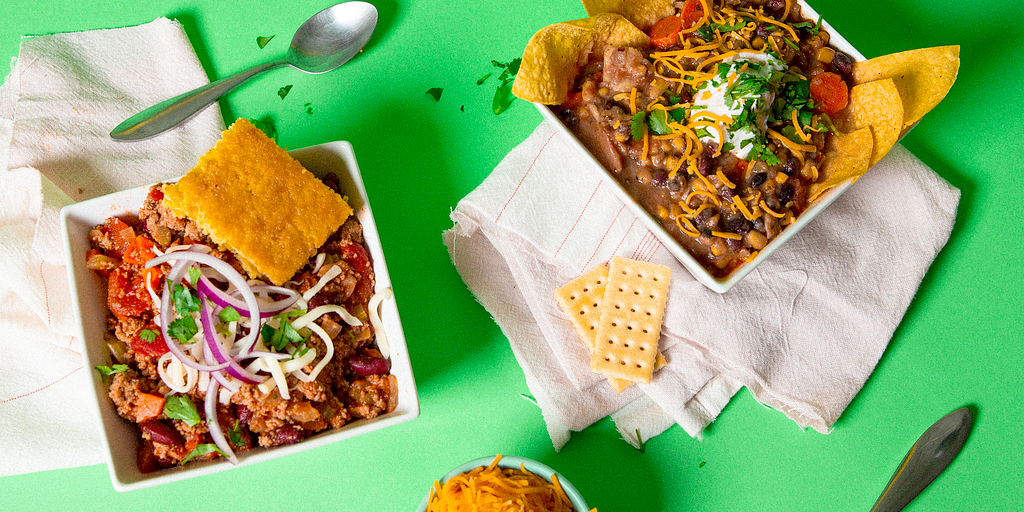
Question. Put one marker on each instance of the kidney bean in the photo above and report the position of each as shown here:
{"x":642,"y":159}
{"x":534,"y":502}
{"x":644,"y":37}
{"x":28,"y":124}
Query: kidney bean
{"x":287,"y":434}
{"x":738,"y":225}
{"x":659,"y":178}
{"x":162,"y":433}
{"x":365,"y":366}
{"x":704,"y":164}
{"x":775,"y":5}
{"x":243,"y":413}
{"x":758,"y":179}
{"x":842,"y":63}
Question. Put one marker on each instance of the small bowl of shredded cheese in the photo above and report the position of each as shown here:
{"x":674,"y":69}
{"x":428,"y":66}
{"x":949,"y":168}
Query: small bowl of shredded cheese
{"x":501,"y":484}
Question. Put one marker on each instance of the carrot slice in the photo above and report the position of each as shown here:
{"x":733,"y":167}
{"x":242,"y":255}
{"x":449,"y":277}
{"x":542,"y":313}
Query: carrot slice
{"x":148,"y":406}
{"x":665,"y":33}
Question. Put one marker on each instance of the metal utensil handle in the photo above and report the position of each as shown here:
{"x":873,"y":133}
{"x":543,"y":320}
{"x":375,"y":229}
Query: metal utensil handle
{"x":168,"y":114}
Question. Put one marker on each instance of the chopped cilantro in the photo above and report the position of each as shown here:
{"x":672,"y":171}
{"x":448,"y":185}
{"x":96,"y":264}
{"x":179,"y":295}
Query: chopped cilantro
{"x":790,"y":43}
{"x":701,"y":132}
{"x":282,"y":92}
{"x":193,"y":275}
{"x":180,"y":407}
{"x":280,"y":338}
{"x":235,"y":434}
{"x":707,"y":32}
{"x":658,"y":120}
{"x":702,"y":463}
{"x":435,"y":92}
{"x":147,"y":335}
{"x":184,"y":300}
{"x":201,"y":450}
{"x":106,"y":371}
{"x":503,"y":97}
{"x":229,"y":314}
{"x":262,"y":41}
{"x":183,"y":329}
{"x":308,"y":107}
{"x":813,"y":28}
{"x":266,"y":125}
{"x":639,"y":126}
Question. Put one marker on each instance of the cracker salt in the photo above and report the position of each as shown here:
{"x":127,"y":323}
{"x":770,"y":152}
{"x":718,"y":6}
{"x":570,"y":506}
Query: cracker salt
{"x":627,"y":334}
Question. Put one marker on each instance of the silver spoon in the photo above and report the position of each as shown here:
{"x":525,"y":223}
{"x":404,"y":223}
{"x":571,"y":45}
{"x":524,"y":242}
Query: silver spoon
{"x":327,"y":40}
{"x":929,"y":456}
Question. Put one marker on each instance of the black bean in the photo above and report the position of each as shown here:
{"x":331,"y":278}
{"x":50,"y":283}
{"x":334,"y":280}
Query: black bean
{"x":738,"y":225}
{"x":842,"y":63}
{"x":727,"y":194}
{"x":659,"y":178}
{"x":790,"y":167}
{"x":758,"y":179}
{"x":785,"y":193}
{"x":775,"y":5}
{"x":568,"y":117}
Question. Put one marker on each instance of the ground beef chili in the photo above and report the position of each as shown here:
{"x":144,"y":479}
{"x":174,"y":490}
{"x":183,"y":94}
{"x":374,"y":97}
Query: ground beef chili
{"x":355,"y":384}
{"x":718,"y":127}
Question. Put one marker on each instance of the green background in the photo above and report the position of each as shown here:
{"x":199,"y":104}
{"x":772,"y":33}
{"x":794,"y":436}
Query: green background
{"x":959,"y":343}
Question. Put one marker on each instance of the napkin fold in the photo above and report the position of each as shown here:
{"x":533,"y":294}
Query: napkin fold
{"x":57,"y":106}
{"x":802,"y":332}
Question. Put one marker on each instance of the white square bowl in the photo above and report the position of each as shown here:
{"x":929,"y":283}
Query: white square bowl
{"x":718,"y":284}
{"x":88,"y":297}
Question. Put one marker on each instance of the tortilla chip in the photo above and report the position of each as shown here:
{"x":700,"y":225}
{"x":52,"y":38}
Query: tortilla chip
{"x":876,"y":105}
{"x":922,"y":77}
{"x":554,"y":55}
{"x":642,"y":13}
{"x":848,"y":156}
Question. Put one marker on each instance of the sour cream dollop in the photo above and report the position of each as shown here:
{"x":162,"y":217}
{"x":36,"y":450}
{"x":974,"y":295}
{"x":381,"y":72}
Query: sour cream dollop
{"x":737,"y":92}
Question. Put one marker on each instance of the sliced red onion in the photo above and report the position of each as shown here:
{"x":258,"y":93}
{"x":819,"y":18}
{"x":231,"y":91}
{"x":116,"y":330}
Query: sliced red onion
{"x":231,"y":275}
{"x":224,"y":299}
{"x":166,"y":315}
{"x":215,"y":346}
{"x":214,"y":422}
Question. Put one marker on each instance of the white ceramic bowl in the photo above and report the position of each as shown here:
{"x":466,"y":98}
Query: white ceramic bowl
{"x":88,"y":296}
{"x":513,"y":462}
{"x":718,"y":284}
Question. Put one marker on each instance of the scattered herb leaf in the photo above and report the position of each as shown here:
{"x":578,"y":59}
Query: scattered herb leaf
{"x":106,"y":371}
{"x":193,"y":275}
{"x":229,"y":314}
{"x":201,"y":450}
{"x":658,"y":121}
{"x":503,"y":98}
{"x":309,"y":108}
{"x":282,"y":92}
{"x":641,"y":442}
{"x":435,"y":92}
{"x":147,"y":335}
{"x":639,"y":126}
{"x":183,"y":329}
{"x":180,"y":407}
{"x":262,"y":41}
{"x":702,"y":463}
{"x":483,"y":79}
{"x":266,"y":125}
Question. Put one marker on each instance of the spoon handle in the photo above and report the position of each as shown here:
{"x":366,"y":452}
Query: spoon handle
{"x":168,"y":114}
{"x":929,"y":456}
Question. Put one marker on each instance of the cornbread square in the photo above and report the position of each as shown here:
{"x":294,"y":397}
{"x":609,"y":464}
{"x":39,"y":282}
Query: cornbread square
{"x":252,"y":198}
{"x":581,"y":300}
{"x":626,"y":341}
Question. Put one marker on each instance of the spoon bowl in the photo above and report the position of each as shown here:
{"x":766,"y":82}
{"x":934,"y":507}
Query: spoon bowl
{"x":323,"y":43}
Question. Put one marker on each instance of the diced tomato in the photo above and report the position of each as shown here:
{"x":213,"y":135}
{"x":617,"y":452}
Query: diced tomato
{"x":691,"y":13}
{"x":140,"y":251}
{"x":156,"y":194}
{"x":356,"y":256}
{"x":830,"y":93}
{"x":120,"y":233}
{"x":126,"y":291}
{"x":665,"y":32}
{"x":572,"y":100}
{"x":155,"y":348}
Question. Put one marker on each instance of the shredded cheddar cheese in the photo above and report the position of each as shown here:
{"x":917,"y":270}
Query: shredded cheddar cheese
{"x":497,"y":489}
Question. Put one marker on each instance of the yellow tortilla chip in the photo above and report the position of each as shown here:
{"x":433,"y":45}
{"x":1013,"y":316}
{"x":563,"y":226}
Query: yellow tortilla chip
{"x":922,"y":77}
{"x":876,"y":105}
{"x":848,"y":156}
{"x":642,"y":13}
{"x":554,"y":55}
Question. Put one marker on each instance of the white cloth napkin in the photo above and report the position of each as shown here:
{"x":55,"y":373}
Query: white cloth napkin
{"x":802,"y":332}
{"x":63,"y":96}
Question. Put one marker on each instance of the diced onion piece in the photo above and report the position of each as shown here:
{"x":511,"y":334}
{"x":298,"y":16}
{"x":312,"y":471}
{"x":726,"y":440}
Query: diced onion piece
{"x":378,"y":326}
{"x":331,"y":273}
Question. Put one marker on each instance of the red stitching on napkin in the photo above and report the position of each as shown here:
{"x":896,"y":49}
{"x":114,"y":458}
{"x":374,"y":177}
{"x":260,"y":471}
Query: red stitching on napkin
{"x":649,"y":244}
{"x":586,"y":266}
{"x":574,"y":224}
{"x":623,"y":239}
{"x":42,"y":388}
{"x":524,"y":177}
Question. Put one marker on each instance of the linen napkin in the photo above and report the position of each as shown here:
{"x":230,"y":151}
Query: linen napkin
{"x":802,"y":332}
{"x":63,"y":96}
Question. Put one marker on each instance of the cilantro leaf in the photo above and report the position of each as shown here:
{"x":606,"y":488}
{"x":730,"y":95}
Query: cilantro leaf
{"x":193,"y":275}
{"x":503,"y":98}
{"x":435,"y":92}
{"x":235,"y":434}
{"x":183,"y":329}
{"x":639,"y":127}
{"x":106,"y":371}
{"x":184,"y":300}
{"x":201,"y":450}
{"x":282,"y":92}
{"x":147,"y":335}
{"x":658,"y":120}
{"x":266,"y":125}
{"x":262,"y":41}
{"x":229,"y":314}
{"x":180,"y":407}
